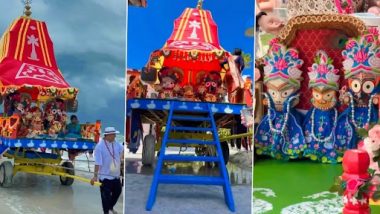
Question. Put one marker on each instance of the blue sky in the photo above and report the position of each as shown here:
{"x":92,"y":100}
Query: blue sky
{"x":89,"y":44}
{"x":148,"y":28}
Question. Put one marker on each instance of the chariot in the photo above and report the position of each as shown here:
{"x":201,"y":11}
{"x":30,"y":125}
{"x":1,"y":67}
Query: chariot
{"x":191,"y":92}
{"x":36,"y":99}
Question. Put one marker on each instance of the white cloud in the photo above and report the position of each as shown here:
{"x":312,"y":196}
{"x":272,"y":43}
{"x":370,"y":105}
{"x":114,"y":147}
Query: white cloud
{"x":79,"y":27}
{"x":113,"y":5}
{"x":117,"y":82}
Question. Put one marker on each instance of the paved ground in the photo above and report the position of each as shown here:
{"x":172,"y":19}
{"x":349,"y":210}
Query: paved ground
{"x":296,"y":187}
{"x":186,"y":199}
{"x":34,"y":194}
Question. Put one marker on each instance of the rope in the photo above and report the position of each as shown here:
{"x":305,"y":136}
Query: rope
{"x":78,"y":170}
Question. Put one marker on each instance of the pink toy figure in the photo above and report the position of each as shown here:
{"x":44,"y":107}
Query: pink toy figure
{"x":371,"y":145}
{"x":374,"y":7}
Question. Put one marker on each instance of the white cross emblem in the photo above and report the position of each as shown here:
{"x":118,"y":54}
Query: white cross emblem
{"x":33,"y":41}
{"x":195,"y":25}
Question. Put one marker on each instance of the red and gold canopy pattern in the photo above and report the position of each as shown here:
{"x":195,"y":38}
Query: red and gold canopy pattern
{"x":27,"y":62}
{"x":193,"y":46}
{"x":194,"y":30}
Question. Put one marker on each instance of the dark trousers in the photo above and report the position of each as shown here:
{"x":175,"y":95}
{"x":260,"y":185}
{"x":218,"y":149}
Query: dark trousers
{"x":110,"y":192}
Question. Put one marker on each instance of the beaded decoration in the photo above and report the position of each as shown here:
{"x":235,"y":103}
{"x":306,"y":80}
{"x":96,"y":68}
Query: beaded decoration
{"x":281,"y":130}
{"x":353,"y":121}
{"x":323,"y":74}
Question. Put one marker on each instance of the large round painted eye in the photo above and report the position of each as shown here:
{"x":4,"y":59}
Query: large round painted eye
{"x":355,"y":86}
{"x":317,"y":95}
{"x":208,"y":84}
{"x":273,"y":93}
{"x":368,"y":87}
{"x":329,"y":95}
{"x":286,"y":93}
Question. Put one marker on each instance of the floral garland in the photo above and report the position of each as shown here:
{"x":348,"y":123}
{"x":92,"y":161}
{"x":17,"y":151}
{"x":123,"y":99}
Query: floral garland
{"x":282,"y":129}
{"x":332,"y":131}
{"x":353,"y":111}
{"x":42,"y":91}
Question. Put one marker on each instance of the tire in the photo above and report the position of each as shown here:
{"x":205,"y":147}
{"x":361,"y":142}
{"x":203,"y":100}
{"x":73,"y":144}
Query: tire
{"x":6,"y":174}
{"x":211,"y":151}
{"x":65,"y":180}
{"x":226,"y":151}
{"x":148,"y":150}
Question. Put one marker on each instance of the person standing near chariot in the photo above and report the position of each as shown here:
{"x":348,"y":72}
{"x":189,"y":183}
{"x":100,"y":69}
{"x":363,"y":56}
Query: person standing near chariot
{"x":108,"y":155}
{"x":321,"y":120}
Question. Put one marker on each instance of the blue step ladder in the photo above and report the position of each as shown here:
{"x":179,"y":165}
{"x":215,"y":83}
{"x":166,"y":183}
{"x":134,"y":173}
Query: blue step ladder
{"x":222,"y":180}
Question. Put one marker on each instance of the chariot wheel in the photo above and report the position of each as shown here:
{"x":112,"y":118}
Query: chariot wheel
{"x":6,"y":174}
{"x":69,"y":169}
{"x":148,"y":150}
{"x":226,"y":151}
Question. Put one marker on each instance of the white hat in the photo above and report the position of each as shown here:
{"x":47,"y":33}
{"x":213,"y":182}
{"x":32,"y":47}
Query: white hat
{"x":110,"y":130}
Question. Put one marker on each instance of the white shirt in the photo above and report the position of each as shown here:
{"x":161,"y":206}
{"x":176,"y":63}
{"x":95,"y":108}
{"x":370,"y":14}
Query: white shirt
{"x":107,"y":157}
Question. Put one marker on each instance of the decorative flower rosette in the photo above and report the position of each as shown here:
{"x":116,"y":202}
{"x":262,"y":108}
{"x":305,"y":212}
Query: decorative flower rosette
{"x":376,"y":33}
{"x":362,"y":55}
{"x":283,"y":63}
{"x":323,"y":73}
{"x":345,"y":6}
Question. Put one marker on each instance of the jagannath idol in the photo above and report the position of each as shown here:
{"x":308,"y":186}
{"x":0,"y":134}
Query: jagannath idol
{"x":280,"y":134}
{"x":321,"y":120}
{"x":362,"y":70}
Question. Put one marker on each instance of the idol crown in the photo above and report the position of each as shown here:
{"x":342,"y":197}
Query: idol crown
{"x":283,"y":63}
{"x":362,"y":55}
{"x":323,"y":73}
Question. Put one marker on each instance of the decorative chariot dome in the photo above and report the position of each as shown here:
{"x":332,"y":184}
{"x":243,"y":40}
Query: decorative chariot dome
{"x":28,"y":63}
{"x":193,"y":47}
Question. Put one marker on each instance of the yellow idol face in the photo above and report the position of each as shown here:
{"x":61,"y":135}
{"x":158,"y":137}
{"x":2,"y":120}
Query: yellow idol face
{"x":323,"y":99}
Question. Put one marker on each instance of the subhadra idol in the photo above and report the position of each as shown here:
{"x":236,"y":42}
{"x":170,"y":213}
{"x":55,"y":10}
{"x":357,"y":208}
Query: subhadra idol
{"x":362,"y":69}
{"x":280,"y":134}
{"x":321,"y":120}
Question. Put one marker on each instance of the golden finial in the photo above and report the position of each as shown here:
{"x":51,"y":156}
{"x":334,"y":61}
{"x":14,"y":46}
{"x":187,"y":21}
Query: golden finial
{"x":199,"y":5}
{"x":27,"y":11}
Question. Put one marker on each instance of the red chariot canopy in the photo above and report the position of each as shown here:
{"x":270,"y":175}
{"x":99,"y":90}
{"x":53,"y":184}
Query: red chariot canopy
{"x":194,"y":30}
{"x":27,"y":62}
{"x":193,"y":46}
